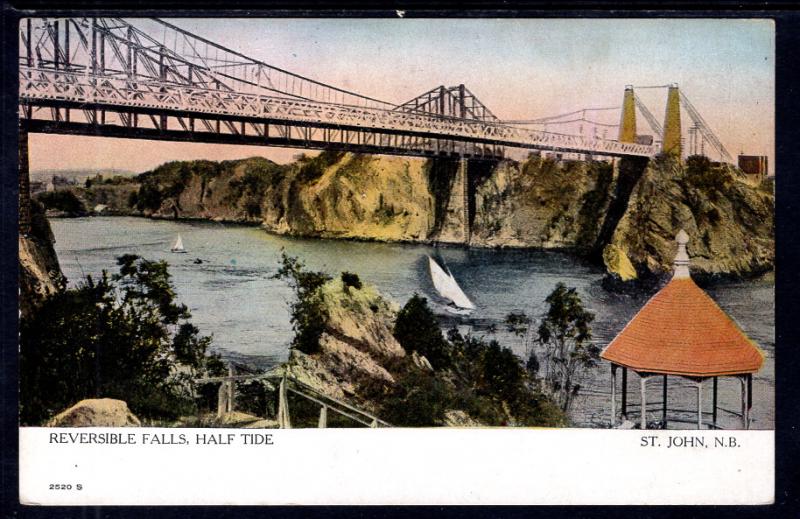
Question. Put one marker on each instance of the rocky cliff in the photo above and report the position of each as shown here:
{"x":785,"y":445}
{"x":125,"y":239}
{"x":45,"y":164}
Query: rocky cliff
{"x":359,"y":360}
{"x":356,"y":349}
{"x":542,"y":203}
{"x":39,"y":272}
{"x":623,"y":214}
{"x":730,"y":223}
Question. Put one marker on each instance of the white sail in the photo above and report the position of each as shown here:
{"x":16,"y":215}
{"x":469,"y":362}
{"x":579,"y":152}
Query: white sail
{"x":178,"y":247}
{"x":447,"y":287}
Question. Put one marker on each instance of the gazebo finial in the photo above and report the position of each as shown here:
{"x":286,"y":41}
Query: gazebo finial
{"x":681,"y":263}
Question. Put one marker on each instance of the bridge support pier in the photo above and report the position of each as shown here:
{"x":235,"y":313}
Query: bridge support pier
{"x":455,"y":180}
{"x":462,"y":180}
{"x":24,"y":185}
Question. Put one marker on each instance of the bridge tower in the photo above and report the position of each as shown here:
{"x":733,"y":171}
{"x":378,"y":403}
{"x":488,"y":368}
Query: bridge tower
{"x":672,"y":123}
{"x":627,"y":124}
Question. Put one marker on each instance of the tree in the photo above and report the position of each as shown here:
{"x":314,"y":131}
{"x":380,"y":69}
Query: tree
{"x":520,"y":325}
{"x":417,"y":329}
{"x":566,"y":336}
{"x":120,"y":337}
{"x":308,"y":314}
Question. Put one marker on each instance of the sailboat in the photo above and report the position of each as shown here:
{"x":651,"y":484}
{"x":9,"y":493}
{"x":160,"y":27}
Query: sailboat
{"x":178,"y":246}
{"x":446,"y":285}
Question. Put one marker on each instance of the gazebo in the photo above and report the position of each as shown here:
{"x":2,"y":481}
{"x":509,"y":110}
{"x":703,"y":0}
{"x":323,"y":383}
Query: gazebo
{"x":682,"y":332}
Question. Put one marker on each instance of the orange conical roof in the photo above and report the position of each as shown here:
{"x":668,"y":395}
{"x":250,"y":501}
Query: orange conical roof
{"x":682,"y":331}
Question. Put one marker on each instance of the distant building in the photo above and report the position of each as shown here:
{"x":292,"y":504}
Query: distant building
{"x":754,"y":166}
{"x":59,"y":182}
{"x":644,"y":139}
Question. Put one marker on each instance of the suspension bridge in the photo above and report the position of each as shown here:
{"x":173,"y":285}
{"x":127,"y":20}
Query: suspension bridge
{"x":146,"y":78}
{"x":149,"y":79}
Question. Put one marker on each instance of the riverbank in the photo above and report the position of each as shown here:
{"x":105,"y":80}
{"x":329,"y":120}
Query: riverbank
{"x":622,"y":216}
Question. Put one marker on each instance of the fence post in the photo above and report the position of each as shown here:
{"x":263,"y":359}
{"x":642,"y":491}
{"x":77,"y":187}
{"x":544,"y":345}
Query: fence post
{"x":231,"y":395}
{"x":284,"y":421}
{"x":222,"y":399}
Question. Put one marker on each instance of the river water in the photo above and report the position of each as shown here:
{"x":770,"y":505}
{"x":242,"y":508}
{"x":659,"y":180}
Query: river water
{"x":233,"y":297}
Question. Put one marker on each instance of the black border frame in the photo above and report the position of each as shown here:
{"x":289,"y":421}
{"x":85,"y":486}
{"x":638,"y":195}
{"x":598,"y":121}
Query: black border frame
{"x":787,"y":159}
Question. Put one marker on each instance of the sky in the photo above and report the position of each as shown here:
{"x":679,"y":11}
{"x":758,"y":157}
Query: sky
{"x":519,"y":68}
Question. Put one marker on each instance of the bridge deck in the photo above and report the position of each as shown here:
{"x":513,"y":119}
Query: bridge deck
{"x":52,"y":89}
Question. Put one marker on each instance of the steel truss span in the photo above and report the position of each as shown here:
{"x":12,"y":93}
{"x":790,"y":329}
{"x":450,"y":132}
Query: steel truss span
{"x":151,"y":80}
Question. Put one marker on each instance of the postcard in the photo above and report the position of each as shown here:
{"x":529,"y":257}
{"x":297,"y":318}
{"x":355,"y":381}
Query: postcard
{"x":396,"y":260}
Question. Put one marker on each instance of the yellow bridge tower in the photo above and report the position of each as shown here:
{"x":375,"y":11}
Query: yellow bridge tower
{"x":627,"y":124}
{"x":672,"y":123}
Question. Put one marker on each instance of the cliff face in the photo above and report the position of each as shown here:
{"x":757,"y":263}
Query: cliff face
{"x":730,"y":223}
{"x":39,"y":272}
{"x":353,"y":196}
{"x":624,"y":215}
{"x":542,"y":203}
{"x":357,"y":348}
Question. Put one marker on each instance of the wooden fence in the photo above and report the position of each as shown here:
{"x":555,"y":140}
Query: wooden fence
{"x":226,"y":397}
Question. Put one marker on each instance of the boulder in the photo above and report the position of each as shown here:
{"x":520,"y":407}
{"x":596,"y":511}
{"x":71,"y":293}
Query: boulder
{"x":617,"y":263}
{"x":96,"y":412}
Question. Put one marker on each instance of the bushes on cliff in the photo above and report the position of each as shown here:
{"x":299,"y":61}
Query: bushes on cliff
{"x":308,"y":314}
{"x":62,"y":200}
{"x":417,"y":329}
{"x":311,"y":168}
{"x":419,"y":399}
{"x":122,"y":337}
{"x":149,"y":197}
{"x":482,"y":378}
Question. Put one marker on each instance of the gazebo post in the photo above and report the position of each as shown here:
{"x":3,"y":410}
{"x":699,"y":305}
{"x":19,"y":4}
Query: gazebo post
{"x":749,"y":397}
{"x":700,"y":403}
{"x":664,"y":400}
{"x":624,"y":392}
{"x":642,"y":381}
{"x":613,"y":395}
{"x":744,"y":401}
{"x":714,"y":408}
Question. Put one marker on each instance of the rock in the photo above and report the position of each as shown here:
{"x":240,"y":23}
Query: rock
{"x":356,"y":347}
{"x":730,"y":223}
{"x":421,"y":361}
{"x":542,"y":203}
{"x":39,"y":272}
{"x":617,"y":263}
{"x":96,"y":412}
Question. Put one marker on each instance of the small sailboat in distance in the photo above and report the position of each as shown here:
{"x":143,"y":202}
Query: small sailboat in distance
{"x":178,"y":246}
{"x":447,"y":287}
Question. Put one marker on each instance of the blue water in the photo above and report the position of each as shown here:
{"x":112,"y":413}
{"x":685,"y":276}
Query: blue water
{"x":233,"y":297}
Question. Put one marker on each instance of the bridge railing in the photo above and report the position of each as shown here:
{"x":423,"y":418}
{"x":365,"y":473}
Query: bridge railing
{"x":46,"y":85}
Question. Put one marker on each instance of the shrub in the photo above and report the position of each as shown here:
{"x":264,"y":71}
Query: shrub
{"x":417,"y":329}
{"x":121,"y":337}
{"x":149,"y":197}
{"x":62,"y":200}
{"x":702,"y":174}
{"x":420,"y":399}
{"x":308,"y":314}
{"x":351,"y":280}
